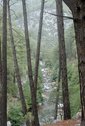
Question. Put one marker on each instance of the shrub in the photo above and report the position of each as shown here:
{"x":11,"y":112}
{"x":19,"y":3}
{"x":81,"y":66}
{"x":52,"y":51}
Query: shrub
{"x":15,"y":116}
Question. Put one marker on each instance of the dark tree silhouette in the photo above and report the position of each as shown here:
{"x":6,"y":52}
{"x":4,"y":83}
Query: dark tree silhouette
{"x":78,"y":10}
{"x":3,"y":121}
{"x":0,"y":84}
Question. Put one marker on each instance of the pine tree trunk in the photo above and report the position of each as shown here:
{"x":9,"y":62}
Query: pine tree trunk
{"x":57,"y":101}
{"x":65,"y":92}
{"x":4,"y":66}
{"x":0,"y":65}
{"x":16,"y":66}
{"x":58,"y":87}
{"x":78,"y":9}
{"x":29,"y":64}
{"x":0,"y":85}
{"x":79,"y":26}
{"x":38,"y":45}
{"x":14,"y":78}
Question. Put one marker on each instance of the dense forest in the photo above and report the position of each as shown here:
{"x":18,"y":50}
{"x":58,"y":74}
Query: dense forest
{"x":42,"y":63}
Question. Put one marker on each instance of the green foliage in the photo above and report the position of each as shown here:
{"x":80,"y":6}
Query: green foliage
{"x":55,"y":64}
{"x":15,"y":116}
{"x":11,"y":86}
{"x":70,"y":43}
{"x":40,"y":78}
{"x":74,"y":99}
{"x":73,"y":76}
{"x":39,"y":88}
{"x":26,"y":89}
{"x":29,"y":116}
{"x":54,"y":75}
{"x":73,"y":80}
{"x":12,"y":89}
{"x":50,"y":55}
{"x":39,"y":95}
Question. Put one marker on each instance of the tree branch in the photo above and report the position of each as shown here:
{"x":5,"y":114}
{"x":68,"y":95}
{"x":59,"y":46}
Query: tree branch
{"x":17,"y":32}
{"x":13,"y":3}
{"x":14,"y":13}
{"x":71,"y":18}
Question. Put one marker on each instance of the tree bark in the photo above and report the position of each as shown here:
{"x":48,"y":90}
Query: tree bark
{"x":79,"y":26}
{"x":70,"y":3}
{"x":16,"y":66}
{"x":0,"y":65}
{"x":29,"y":64}
{"x":38,"y":45}
{"x":78,"y":10}
{"x":4,"y":66}
{"x":65,"y":92}
{"x":0,"y":85}
{"x":58,"y":87}
{"x":57,"y":101}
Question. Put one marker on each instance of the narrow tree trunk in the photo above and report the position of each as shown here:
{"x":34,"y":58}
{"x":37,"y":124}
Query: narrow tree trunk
{"x":0,"y":64}
{"x":4,"y":66}
{"x":14,"y":78}
{"x":58,"y":87}
{"x":0,"y":85}
{"x":38,"y":45}
{"x":66,"y":102}
{"x":30,"y":75}
{"x":16,"y":66}
{"x":57,"y":101}
{"x":79,"y":26}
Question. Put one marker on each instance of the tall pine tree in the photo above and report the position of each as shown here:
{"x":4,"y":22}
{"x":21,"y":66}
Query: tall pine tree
{"x":3,"y":121}
{"x":61,"y":39}
{"x":78,"y":10}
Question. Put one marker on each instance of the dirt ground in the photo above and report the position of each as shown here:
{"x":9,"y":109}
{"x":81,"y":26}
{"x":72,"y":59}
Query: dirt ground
{"x":66,"y":123}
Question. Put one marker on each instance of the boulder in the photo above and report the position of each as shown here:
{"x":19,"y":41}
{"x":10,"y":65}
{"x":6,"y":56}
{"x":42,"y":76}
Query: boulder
{"x":8,"y":123}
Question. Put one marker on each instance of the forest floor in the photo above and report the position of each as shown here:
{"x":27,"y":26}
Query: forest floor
{"x":66,"y":123}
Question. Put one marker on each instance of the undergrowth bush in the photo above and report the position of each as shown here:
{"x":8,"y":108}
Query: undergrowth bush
{"x":15,"y":116}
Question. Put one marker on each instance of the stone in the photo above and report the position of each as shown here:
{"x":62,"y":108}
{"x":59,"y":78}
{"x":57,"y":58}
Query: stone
{"x":8,"y":123}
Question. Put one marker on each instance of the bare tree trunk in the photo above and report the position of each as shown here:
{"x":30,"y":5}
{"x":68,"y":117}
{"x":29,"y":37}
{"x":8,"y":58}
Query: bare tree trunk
{"x":0,"y":85}
{"x":16,"y":66}
{"x":38,"y":45}
{"x":58,"y":87}
{"x":4,"y":66}
{"x":14,"y":78}
{"x":29,"y":64}
{"x":78,"y":9}
{"x":79,"y":26}
{"x":65,"y":92}
{"x":0,"y":66}
{"x":57,"y":100}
